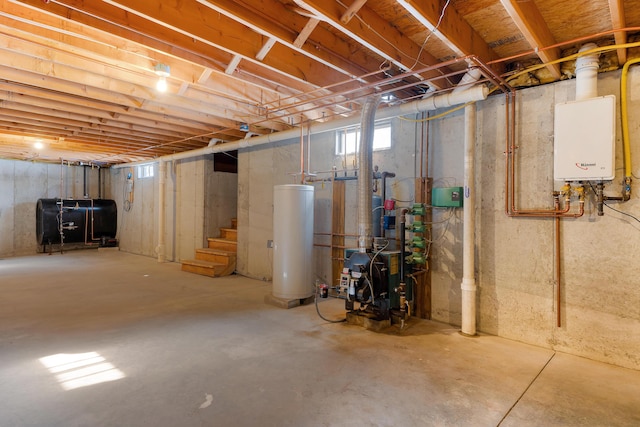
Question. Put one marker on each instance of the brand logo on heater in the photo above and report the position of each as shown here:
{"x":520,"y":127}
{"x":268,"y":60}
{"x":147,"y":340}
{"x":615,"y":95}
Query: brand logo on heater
{"x":585,"y":166}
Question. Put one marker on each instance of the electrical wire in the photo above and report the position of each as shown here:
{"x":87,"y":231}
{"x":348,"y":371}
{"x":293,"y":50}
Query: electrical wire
{"x":395,"y":45}
{"x":620,"y":212}
{"x":371,"y":269}
{"x":446,"y":228}
{"x":444,"y":9}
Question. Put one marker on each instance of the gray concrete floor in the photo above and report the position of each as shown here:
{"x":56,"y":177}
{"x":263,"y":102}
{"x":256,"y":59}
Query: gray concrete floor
{"x":184,"y":350}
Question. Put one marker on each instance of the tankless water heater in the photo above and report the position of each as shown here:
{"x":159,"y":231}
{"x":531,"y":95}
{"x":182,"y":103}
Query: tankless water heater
{"x":584,"y":140}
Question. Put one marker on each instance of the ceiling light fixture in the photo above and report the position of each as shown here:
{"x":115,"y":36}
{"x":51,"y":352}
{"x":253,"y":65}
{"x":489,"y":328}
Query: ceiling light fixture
{"x":38,"y":145}
{"x":163,"y":71}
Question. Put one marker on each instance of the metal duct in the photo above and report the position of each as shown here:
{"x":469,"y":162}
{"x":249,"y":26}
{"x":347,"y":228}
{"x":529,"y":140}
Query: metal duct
{"x":365,"y":175}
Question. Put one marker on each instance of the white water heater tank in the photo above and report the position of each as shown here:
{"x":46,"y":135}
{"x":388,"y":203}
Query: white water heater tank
{"x":584,"y":140}
{"x":293,"y":241}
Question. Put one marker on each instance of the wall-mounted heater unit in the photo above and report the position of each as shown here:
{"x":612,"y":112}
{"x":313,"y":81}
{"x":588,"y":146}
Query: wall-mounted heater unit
{"x":584,"y":144}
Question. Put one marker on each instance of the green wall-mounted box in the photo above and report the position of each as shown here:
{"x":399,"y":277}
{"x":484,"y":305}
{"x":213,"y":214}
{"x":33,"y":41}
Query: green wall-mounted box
{"x":447,"y":197}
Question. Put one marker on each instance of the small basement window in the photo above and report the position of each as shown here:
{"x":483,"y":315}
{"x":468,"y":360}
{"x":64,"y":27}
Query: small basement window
{"x":347,"y":139}
{"x":145,"y":171}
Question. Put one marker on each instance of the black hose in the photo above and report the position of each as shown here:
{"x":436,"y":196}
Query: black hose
{"x":321,"y":316}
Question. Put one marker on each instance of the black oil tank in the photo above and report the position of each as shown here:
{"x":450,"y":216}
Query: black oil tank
{"x":83,"y":221}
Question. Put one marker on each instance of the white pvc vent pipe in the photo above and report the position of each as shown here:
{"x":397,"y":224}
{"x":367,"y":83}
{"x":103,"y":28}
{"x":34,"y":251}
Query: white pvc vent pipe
{"x":587,"y":74}
{"x":468,"y":285}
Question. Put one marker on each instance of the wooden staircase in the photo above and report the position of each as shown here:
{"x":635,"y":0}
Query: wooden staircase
{"x":219,"y":258}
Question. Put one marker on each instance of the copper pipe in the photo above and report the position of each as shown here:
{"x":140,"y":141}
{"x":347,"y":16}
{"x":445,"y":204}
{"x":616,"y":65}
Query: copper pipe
{"x":343,"y":82}
{"x":558,"y":273}
{"x":510,"y":173}
{"x":301,"y":149}
{"x":333,"y":246}
{"x":553,"y":46}
{"x":361,"y":92}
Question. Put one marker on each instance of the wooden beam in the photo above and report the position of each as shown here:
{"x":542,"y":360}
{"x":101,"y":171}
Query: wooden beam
{"x":125,"y":26}
{"x":352,"y":11}
{"x":306,"y":32}
{"x":616,"y":7}
{"x":273,"y":19}
{"x":266,"y":48}
{"x":131,"y":57}
{"x":376,"y":34}
{"x":231,"y":68}
{"x":221,"y":32}
{"x":25,"y":73}
{"x":529,"y":20}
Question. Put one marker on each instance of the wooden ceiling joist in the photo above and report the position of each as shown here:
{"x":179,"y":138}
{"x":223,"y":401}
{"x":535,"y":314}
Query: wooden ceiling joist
{"x":452,"y":29}
{"x":616,"y":8}
{"x":527,"y":17}
{"x":264,"y":80}
{"x":192,"y":20}
{"x":375,"y":33}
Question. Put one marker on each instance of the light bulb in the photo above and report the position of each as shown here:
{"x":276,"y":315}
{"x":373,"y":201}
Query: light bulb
{"x":162,"y":84}
{"x":38,"y":145}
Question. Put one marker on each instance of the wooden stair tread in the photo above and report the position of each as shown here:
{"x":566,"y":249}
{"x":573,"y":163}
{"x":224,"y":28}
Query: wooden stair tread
{"x":220,"y":239}
{"x":219,"y":258}
{"x":213,"y":251}
{"x":204,"y":264}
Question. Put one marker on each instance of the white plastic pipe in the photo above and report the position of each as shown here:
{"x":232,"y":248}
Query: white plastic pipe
{"x":476,"y":93}
{"x":468,"y":285}
{"x":587,"y":74}
{"x":468,"y":79}
{"x":162,"y":174}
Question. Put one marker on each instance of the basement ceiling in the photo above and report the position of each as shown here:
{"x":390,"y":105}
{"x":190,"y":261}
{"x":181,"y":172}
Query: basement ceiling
{"x":79,"y":76}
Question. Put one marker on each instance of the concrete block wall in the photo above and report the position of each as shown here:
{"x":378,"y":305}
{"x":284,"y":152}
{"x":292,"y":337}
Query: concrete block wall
{"x":22,"y":184}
